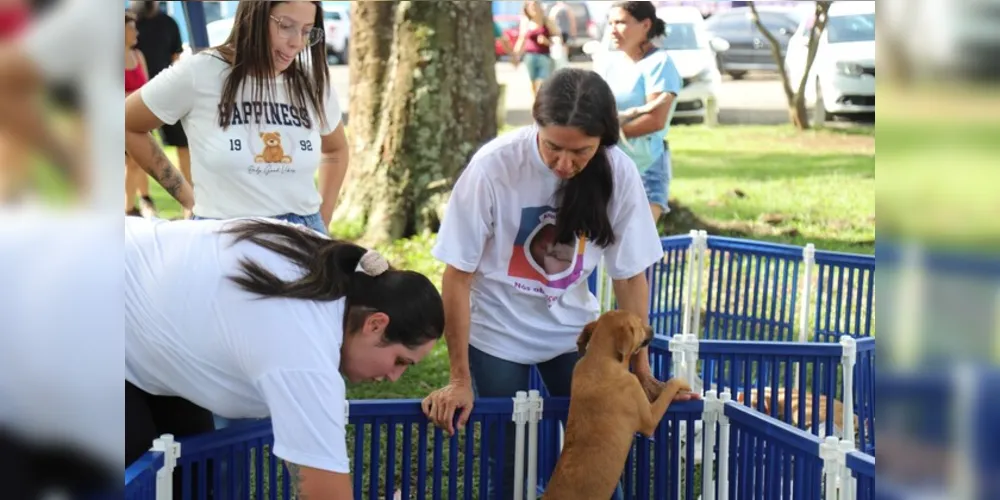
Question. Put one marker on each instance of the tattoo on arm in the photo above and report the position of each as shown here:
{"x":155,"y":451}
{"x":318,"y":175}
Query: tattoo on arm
{"x":295,"y":476}
{"x":164,"y":172}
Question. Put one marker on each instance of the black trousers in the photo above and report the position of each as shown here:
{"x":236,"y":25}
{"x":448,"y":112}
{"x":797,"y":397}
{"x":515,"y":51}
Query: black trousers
{"x":148,"y":416}
{"x":28,"y":470}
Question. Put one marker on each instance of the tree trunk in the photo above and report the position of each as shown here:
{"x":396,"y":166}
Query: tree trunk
{"x":795,"y":96}
{"x":423,"y":100}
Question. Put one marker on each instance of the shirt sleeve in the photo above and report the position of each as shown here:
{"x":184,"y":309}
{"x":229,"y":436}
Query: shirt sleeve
{"x":662,"y":77}
{"x":468,"y":219}
{"x":308,"y":417}
{"x":637,"y":244}
{"x":332,"y":109}
{"x":170,"y":94}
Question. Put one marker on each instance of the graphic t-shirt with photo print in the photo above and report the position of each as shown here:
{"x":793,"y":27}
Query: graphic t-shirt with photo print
{"x":529,"y":296}
{"x":265,"y":162}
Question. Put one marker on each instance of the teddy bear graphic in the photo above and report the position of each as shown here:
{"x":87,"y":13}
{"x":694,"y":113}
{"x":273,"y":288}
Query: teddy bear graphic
{"x":273,"y":152}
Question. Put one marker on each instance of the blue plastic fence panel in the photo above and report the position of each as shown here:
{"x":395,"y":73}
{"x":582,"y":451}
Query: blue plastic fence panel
{"x":140,"y":477}
{"x":769,"y":459}
{"x":845,"y":295}
{"x":651,"y":469}
{"x":391,"y":440}
{"x":751,"y":290}
{"x":768,"y":369}
{"x":666,"y":286}
{"x":400,"y":450}
{"x":862,"y":467}
{"x":864,"y":394}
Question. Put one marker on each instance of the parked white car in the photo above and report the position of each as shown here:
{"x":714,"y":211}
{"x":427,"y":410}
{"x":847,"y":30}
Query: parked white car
{"x":842,"y":77}
{"x":693,"y":51}
{"x":337,"y":20}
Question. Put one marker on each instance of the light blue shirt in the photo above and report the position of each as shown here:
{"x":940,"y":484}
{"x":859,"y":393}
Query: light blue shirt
{"x":632,"y":82}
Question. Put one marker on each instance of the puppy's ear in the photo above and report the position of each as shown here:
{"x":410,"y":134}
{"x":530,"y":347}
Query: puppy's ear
{"x":624,"y":343}
{"x":584,"y":338}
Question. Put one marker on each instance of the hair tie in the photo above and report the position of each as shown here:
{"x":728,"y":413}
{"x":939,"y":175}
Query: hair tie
{"x":372,"y":263}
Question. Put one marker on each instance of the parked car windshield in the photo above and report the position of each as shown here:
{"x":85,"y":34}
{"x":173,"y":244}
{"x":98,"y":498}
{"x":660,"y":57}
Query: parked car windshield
{"x":681,"y":36}
{"x":853,"y":28}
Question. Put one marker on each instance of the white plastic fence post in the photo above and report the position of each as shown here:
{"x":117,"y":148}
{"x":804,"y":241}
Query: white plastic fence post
{"x":520,"y":417}
{"x":905,"y":343}
{"x":710,"y":416}
{"x":690,"y":347}
{"x":165,"y":476}
{"x":809,"y":259}
{"x":724,"y":447}
{"x":676,"y":346}
{"x":849,"y":359}
{"x":829,"y":452}
{"x":963,"y":483}
{"x":689,"y":276}
{"x":702,"y":250}
{"x":534,"y":406}
{"x":848,"y":485}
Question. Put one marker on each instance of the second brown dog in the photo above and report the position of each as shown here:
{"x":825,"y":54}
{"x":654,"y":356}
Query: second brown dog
{"x":607,"y":407}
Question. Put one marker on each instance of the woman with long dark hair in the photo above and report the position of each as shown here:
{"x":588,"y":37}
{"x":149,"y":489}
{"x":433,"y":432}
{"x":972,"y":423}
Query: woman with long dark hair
{"x":529,"y":219}
{"x":261,"y":118}
{"x":255,"y":318}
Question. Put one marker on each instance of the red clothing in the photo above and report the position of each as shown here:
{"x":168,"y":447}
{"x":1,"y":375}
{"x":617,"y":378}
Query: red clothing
{"x":134,"y":78}
{"x":13,"y":19}
{"x":531,"y":45}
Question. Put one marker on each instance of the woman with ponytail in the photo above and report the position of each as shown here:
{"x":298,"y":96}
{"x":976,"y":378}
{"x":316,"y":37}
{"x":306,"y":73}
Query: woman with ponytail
{"x":529,"y":219}
{"x":254,"y":318}
{"x":645,"y":83}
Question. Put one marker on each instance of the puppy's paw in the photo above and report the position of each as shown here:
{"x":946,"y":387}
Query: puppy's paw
{"x":676,"y":385}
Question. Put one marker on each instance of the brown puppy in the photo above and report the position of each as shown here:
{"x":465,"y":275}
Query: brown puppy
{"x":793,"y":395}
{"x":607,"y":407}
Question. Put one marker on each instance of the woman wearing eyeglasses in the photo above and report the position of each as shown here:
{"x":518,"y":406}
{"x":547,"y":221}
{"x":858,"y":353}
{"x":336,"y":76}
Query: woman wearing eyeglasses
{"x":261,"y":118}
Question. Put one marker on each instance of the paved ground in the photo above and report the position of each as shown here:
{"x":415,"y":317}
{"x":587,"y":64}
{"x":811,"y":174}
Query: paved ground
{"x":758,"y":99}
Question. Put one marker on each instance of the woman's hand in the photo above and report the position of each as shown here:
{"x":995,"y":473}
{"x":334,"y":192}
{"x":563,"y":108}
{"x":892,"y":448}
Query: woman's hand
{"x":440,"y":405}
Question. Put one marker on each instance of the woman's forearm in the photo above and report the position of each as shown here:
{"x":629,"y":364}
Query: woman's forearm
{"x":332,"y":172}
{"x":647,"y":118}
{"x":633,"y":296}
{"x":148,"y":154}
{"x":456,"y":287}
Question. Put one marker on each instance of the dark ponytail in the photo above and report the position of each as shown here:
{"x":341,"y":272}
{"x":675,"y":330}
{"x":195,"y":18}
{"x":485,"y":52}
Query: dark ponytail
{"x":413,"y":304}
{"x":641,"y":11}
{"x":582,"y":99}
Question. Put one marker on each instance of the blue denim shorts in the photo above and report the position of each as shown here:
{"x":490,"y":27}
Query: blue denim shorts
{"x":539,"y":65}
{"x":312,"y":221}
{"x":656,"y":180}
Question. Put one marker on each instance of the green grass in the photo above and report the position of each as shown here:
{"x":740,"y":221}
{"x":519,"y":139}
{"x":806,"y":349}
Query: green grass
{"x":775,"y":184}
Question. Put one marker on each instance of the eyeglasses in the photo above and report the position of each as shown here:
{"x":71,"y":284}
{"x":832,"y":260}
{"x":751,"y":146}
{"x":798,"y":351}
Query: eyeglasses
{"x":288,"y":30}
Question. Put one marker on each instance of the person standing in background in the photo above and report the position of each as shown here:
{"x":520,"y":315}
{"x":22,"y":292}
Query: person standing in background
{"x":136,"y":75}
{"x":160,"y":43}
{"x":534,"y":40}
{"x":645,"y":83}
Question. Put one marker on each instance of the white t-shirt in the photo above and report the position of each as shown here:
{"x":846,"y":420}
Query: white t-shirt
{"x":265,"y":163}
{"x":193,"y":333}
{"x":60,"y":331}
{"x":529,"y":297}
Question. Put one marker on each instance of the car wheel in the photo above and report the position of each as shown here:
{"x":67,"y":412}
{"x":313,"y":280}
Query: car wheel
{"x":737,"y":75}
{"x":344,"y":55}
{"x":820,"y":114}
